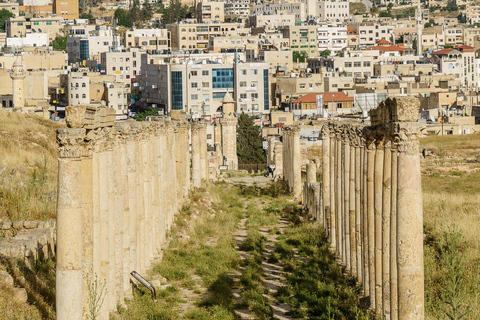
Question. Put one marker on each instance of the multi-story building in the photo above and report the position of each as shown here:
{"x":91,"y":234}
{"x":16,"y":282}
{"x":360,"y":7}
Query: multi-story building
{"x":298,"y":9}
{"x":272,"y":22}
{"x":210,"y":11}
{"x":123,"y":65}
{"x":472,"y":13}
{"x":188,"y":36}
{"x":67,"y":9}
{"x":10,"y":6}
{"x":454,"y":36}
{"x":148,"y":39}
{"x":331,"y":37}
{"x":303,"y":39}
{"x":20,"y":26}
{"x":333,"y":10}
{"x":199,"y":87}
{"x":91,"y":45}
{"x":237,"y":8}
{"x":369,"y":34}
{"x":469,"y":35}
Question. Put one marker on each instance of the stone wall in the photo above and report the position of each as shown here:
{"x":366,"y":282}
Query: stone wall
{"x":119,"y":187}
{"x":371,"y":205}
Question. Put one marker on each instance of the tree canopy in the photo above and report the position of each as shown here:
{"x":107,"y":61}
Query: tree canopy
{"x":325,"y":53}
{"x":135,"y":15}
{"x":4,"y":15}
{"x":249,"y":142}
{"x":59,"y":43}
{"x":176,"y":12}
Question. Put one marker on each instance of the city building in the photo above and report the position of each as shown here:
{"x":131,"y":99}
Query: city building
{"x":210,"y":11}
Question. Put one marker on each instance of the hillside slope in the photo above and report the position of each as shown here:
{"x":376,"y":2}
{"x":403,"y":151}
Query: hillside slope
{"x":28,"y":167}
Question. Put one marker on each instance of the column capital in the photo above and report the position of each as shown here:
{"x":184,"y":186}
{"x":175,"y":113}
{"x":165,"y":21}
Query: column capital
{"x":406,"y":135}
{"x":325,"y":131}
{"x":71,"y":142}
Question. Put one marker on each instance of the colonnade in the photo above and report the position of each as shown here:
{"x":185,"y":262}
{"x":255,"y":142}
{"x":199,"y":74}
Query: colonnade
{"x":119,"y":187}
{"x":371,"y":205}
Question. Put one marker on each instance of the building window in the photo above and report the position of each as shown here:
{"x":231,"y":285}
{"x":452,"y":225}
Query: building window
{"x":84,"y":85}
{"x":348,"y":64}
{"x":222,"y":78}
{"x":243,"y":84}
{"x":84,"y":96}
{"x":205,"y":73}
{"x":194,"y":96}
{"x":194,"y":73}
{"x":205,"y":84}
{"x":218,"y":95}
{"x":243,"y":96}
{"x":194,"y":85}
{"x":177,"y":90}
{"x":357,"y":64}
{"x":266,"y":104}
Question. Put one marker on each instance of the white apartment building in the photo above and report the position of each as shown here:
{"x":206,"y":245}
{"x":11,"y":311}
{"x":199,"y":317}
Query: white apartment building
{"x":116,"y":97}
{"x":209,"y":11}
{"x":298,"y":9}
{"x":123,"y":65}
{"x":188,"y":36}
{"x":90,"y":46}
{"x":273,"y":21}
{"x":148,"y":39}
{"x":473,"y":13}
{"x":199,"y":87}
{"x":78,"y":89}
{"x":331,"y":37}
{"x":369,"y":35}
{"x":30,"y":40}
{"x":333,"y":10}
{"x":237,"y":7}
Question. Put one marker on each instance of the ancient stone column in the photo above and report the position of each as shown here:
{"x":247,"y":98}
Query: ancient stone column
{"x":346,"y":198}
{"x":196,"y":160}
{"x":386,"y":212}
{"x":87,"y":220}
{"x":311,"y":173}
{"x":364,"y":213}
{"x":338,"y":190}
{"x":370,"y":201}
{"x":333,"y":203}
{"x":409,"y":220}
{"x":296,"y":163}
{"x":393,"y":237}
{"x":119,"y":191}
{"x":132,"y":195}
{"x":326,"y":177}
{"x":358,"y":210}
{"x":140,"y":201}
{"x":378,"y":185}
{"x":351,"y":211}
{"x":111,"y":224}
{"x":203,"y":152}
{"x":69,"y":274}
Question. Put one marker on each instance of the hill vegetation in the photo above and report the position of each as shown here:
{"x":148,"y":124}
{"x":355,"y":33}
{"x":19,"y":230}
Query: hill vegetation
{"x":28,"y":167}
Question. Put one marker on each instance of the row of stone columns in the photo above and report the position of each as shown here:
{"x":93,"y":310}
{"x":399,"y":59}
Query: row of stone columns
{"x":119,"y":188}
{"x":372,"y":206}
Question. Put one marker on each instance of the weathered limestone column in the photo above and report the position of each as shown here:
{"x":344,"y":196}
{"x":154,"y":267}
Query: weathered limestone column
{"x":278,"y":160}
{"x":358,"y":210}
{"x":409,"y":217}
{"x":371,"y":218}
{"x":196,"y":160}
{"x":311,"y":173}
{"x":132,"y":195}
{"x":333,"y":203}
{"x":119,"y":191}
{"x":338,"y":190}
{"x":69,"y":274}
{"x":346,"y":198}
{"x":111,"y":223}
{"x":140,"y":201}
{"x":296,"y":163}
{"x":326,"y":177}
{"x":163,"y":187}
{"x":351,"y":209}
{"x":203,"y":152}
{"x":393,"y":237}
{"x":87,"y":220}
{"x":378,"y":185}
{"x":364,"y":213}
{"x":387,"y":183}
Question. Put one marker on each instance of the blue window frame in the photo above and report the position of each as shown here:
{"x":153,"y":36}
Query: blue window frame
{"x":177,"y":90}
{"x":222,"y":78}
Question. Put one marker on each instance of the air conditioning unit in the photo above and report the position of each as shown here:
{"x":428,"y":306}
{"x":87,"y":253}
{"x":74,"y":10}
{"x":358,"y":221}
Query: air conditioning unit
{"x":240,"y":99}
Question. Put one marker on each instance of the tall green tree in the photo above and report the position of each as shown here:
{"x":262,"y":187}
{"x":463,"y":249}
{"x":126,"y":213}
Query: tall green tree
{"x":59,"y":43}
{"x":176,"y":12}
{"x":123,"y":18}
{"x":249,"y":141}
{"x":4,"y":15}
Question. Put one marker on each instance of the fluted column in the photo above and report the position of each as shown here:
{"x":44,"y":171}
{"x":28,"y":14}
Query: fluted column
{"x":378,"y":185}
{"x":358,"y":210}
{"x":132,"y":197}
{"x":333,"y":203}
{"x":326,"y":177}
{"x":69,"y":274}
{"x":409,"y":224}
{"x":393,"y":237}
{"x":351,"y":212}
{"x":196,"y":160}
{"x":371,"y":220}
{"x":346,"y":199}
{"x":386,"y":212}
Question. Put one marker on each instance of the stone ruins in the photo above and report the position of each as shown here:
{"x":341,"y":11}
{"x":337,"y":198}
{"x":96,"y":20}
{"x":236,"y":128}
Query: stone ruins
{"x":369,"y":200}
{"x":119,"y":186}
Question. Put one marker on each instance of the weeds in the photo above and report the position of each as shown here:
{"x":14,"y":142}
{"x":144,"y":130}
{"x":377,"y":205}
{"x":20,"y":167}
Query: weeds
{"x":96,"y":296}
